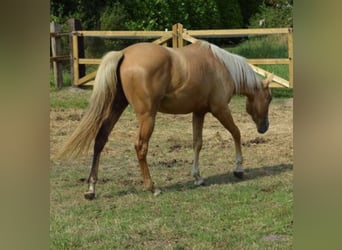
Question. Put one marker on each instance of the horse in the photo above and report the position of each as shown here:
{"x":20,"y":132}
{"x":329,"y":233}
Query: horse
{"x":199,"y":78}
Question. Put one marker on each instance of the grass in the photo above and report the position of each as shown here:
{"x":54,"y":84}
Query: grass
{"x":66,"y":98}
{"x":270,"y":46}
{"x":217,"y":217}
{"x":255,"y":213}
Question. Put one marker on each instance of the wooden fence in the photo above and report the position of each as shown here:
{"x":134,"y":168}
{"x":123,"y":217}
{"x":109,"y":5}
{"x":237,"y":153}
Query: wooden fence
{"x":177,"y":35}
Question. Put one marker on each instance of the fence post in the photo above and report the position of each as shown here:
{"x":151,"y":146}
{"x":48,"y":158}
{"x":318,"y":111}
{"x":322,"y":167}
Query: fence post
{"x":177,"y":35}
{"x":174,"y":36}
{"x":56,"y":49}
{"x":180,"y":35}
{"x":290,"y":51}
{"x":76,"y":51}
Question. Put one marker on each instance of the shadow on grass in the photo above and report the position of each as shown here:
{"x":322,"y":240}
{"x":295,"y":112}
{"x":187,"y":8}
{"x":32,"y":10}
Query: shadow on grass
{"x":220,"y":179}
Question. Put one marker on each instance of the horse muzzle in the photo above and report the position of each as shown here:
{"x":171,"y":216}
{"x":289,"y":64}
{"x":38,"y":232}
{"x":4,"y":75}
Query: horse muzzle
{"x":263,"y":127}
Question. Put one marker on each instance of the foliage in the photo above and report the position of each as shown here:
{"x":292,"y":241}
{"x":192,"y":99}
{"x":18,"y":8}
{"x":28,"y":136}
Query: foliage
{"x":273,"y":14}
{"x":113,"y":17}
{"x":248,"y":8}
{"x":230,"y":14}
{"x":88,"y":12}
{"x":148,"y":14}
{"x":202,"y":14}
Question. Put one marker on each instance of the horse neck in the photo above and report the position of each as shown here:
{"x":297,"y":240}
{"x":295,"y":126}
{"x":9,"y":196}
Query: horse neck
{"x":243,"y":88}
{"x":248,"y":82}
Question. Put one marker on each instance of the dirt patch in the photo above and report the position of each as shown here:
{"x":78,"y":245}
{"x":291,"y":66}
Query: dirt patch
{"x":171,"y":142}
{"x":255,"y":141}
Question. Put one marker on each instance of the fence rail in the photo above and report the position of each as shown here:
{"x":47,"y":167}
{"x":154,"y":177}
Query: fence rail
{"x":178,"y":35}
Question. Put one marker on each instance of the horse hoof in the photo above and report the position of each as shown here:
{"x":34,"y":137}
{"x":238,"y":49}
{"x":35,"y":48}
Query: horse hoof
{"x":156,"y":192}
{"x":199,"y":182}
{"x":89,"y":195}
{"x":238,"y":174}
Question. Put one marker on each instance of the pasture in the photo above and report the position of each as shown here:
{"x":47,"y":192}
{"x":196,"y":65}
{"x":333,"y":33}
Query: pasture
{"x":226,"y":213}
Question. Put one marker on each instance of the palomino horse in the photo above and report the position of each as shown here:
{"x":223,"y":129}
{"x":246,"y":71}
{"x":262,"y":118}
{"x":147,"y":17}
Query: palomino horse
{"x":197,"y":79}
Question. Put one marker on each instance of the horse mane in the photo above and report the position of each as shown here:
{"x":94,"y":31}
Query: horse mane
{"x":237,"y":66}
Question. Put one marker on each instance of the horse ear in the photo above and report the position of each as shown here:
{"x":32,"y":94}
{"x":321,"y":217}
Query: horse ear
{"x":266,"y":82}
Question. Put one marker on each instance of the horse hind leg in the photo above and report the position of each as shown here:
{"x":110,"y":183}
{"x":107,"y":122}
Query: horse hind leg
{"x":197,"y":128}
{"x":100,"y":141}
{"x":146,"y":126}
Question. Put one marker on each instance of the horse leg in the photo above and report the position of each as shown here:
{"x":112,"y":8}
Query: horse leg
{"x":226,"y":119}
{"x":197,"y":128}
{"x":100,"y":141}
{"x":146,"y":125}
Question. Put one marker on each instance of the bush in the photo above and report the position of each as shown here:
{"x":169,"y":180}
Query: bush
{"x":273,"y":16}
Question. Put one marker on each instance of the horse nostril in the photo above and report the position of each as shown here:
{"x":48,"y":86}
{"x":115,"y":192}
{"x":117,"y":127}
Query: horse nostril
{"x":262,"y":130}
{"x":264,"y":127}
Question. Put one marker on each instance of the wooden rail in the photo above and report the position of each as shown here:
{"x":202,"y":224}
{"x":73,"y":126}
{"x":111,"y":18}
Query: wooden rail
{"x":178,"y":35}
{"x":236,"y":32}
{"x":121,"y":34}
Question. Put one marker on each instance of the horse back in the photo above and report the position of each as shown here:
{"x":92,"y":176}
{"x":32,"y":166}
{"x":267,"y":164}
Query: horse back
{"x":170,"y":80}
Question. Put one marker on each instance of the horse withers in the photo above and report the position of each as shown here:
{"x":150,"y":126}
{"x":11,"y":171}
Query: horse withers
{"x":198,"y":78}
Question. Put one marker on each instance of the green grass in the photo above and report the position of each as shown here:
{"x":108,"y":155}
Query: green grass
{"x":282,"y":92}
{"x":66,"y":79}
{"x":262,"y":47}
{"x":66,"y":98}
{"x":256,"y":213}
{"x":216,"y":217}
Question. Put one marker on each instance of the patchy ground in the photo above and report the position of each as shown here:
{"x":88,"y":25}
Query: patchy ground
{"x":256,"y":213}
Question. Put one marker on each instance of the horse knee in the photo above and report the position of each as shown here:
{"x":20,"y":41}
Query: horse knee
{"x":198,"y":145}
{"x":141,"y":149}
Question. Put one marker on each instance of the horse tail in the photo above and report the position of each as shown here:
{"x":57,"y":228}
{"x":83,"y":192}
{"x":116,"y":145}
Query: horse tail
{"x":100,"y":107}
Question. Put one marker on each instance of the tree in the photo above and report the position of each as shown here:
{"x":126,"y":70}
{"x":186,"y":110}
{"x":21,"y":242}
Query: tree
{"x":88,"y":12}
{"x":273,"y":13}
{"x":248,"y":8}
{"x":113,"y":17}
{"x":146,"y":14}
{"x":230,"y":14}
{"x":203,"y":14}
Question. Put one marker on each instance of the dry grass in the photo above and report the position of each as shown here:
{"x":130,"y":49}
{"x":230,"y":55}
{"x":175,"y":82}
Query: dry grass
{"x":226,"y":213}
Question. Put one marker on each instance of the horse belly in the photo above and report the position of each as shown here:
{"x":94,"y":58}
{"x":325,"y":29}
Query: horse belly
{"x":181,"y":105}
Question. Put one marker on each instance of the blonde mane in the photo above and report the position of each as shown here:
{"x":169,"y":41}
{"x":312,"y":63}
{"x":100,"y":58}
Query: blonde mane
{"x":237,"y":66}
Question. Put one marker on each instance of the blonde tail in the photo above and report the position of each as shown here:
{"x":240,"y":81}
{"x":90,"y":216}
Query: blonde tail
{"x":99,"y":108}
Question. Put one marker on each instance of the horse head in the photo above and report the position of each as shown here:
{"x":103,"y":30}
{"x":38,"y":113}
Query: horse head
{"x":257,"y":105}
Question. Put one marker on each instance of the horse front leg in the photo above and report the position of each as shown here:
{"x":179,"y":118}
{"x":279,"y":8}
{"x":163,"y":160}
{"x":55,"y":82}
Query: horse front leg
{"x":197,"y":128}
{"x":226,"y":119}
{"x":146,"y":125}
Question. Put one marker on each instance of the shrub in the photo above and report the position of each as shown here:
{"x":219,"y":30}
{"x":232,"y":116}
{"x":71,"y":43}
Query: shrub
{"x":277,"y":14}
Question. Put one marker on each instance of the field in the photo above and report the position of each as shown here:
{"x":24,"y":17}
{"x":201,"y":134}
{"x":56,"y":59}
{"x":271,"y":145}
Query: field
{"x":226,"y":213}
